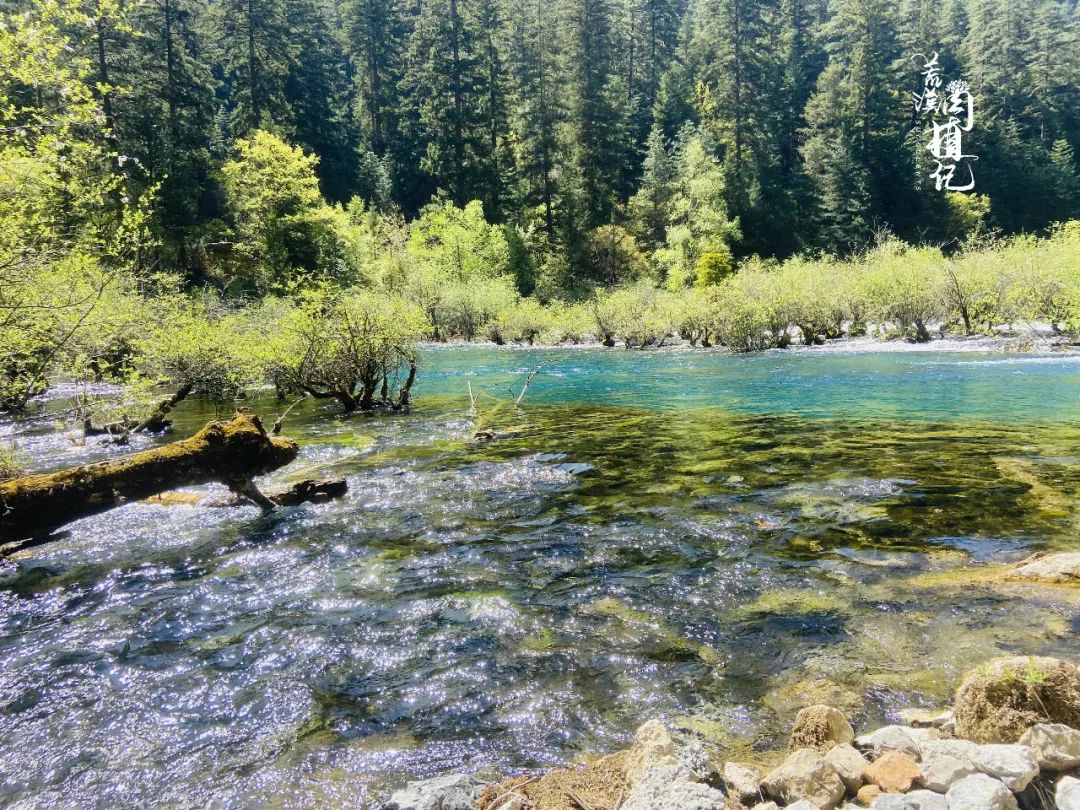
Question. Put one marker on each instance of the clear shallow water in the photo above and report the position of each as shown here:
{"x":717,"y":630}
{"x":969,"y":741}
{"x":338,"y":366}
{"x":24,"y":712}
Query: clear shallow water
{"x":719,"y":540}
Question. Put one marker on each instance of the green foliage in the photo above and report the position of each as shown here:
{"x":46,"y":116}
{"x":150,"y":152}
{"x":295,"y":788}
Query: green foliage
{"x":612,"y":256}
{"x":281,"y":224}
{"x":713,"y":266}
{"x":349,"y":345}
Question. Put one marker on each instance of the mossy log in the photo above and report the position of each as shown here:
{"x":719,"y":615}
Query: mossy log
{"x":230,"y":452}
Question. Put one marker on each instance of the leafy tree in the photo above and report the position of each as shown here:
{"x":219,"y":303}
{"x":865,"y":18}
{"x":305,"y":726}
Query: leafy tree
{"x":281,"y":224}
{"x":352,"y":346}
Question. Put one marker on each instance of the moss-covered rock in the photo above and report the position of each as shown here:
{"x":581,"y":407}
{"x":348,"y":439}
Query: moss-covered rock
{"x":1000,"y":700}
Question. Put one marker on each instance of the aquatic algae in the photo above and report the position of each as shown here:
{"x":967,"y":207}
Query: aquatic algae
{"x":794,"y":601}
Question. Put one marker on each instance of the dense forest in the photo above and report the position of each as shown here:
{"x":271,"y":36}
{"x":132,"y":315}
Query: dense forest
{"x":216,"y":196}
{"x":779,"y":125}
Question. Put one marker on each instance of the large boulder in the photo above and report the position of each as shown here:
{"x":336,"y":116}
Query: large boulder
{"x":980,"y":792}
{"x":456,"y":791}
{"x":742,"y":782}
{"x":940,"y":770}
{"x":849,"y":763}
{"x":820,"y":727}
{"x":1056,"y":746}
{"x":999,"y":701}
{"x":916,"y":800}
{"x":1014,"y":765}
{"x":805,"y":775}
{"x":889,"y":738}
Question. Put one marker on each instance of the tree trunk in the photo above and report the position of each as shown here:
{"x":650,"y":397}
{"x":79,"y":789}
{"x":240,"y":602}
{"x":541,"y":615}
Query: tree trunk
{"x":230,"y":452}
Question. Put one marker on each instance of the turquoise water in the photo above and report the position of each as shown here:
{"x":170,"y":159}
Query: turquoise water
{"x":717,"y":540}
{"x":904,"y":384}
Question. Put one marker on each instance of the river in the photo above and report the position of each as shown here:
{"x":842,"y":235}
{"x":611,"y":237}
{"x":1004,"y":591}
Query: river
{"x":715,"y":539}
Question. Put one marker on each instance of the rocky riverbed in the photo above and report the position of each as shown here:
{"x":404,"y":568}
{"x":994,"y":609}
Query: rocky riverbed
{"x":1011,"y":741}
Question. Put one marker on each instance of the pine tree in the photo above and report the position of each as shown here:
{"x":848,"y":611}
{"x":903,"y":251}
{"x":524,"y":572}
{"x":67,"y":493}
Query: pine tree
{"x":598,"y":114}
{"x":165,"y":112}
{"x":445,"y":87}
{"x":377,"y":32}
{"x":257,"y":53}
{"x":317,"y":90}
{"x":537,"y":111}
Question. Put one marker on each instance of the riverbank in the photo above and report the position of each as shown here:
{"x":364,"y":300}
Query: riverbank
{"x":1011,"y":739}
{"x":1033,"y":339}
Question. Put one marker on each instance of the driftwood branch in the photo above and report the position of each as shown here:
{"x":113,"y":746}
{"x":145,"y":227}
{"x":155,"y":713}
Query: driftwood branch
{"x":230,"y":452}
{"x":156,"y":421}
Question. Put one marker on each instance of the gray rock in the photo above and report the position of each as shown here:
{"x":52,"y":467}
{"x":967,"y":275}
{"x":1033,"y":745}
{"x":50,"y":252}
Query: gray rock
{"x":915,"y":800}
{"x":512,"y":802}
{"x":805,"y":775}
{"x":1067,"y":795}
{"x":456,"y":791}
{"x":671,"y":787}
{"x":1015,"y":765}
{"x":1056,"y":746}
{"x":980,"y":792}
{"x":849,"y":764}
{"x":959,"y":749}
{"x":940,"y":770}
{"x":742,"y":782}
{"x":767,"y":806}
{"x":802,"y":804}
{"x":652,"y":746}
{"x":889,"y":738}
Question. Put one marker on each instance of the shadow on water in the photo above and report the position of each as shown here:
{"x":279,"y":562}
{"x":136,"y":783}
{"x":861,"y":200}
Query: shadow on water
{"x":511,"y":604}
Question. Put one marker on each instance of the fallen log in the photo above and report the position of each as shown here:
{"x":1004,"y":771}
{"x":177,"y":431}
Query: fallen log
{"x":307,"y":491}
{"x":230,"y":452}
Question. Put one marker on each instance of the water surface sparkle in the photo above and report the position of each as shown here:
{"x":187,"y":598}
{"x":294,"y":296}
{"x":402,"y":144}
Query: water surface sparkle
{"x":715,"y":539}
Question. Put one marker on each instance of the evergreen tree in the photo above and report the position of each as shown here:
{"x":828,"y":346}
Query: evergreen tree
{"x":377,"y":32}
{"x":256,"y":52}
{"x":317,"y":90}
{"x":599,"y":136}
{"x":163,"y":116}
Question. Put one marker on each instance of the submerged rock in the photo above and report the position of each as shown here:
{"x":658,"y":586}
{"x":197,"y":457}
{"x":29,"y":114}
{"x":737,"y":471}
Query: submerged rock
{"x":820,"y":727}
{"x":980,"y":792}
{"x":456,"y":791}
{"x":893,"y":772}
{"x":925,"y":718}
{"x":805,"y":775}
{"x":1055,"y":568}
{"x":1056,"y":746}
{"x":999,"y":701}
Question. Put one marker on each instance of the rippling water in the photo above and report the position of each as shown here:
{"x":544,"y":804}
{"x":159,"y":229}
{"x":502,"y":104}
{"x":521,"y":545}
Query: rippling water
{"x":715,"y":539}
